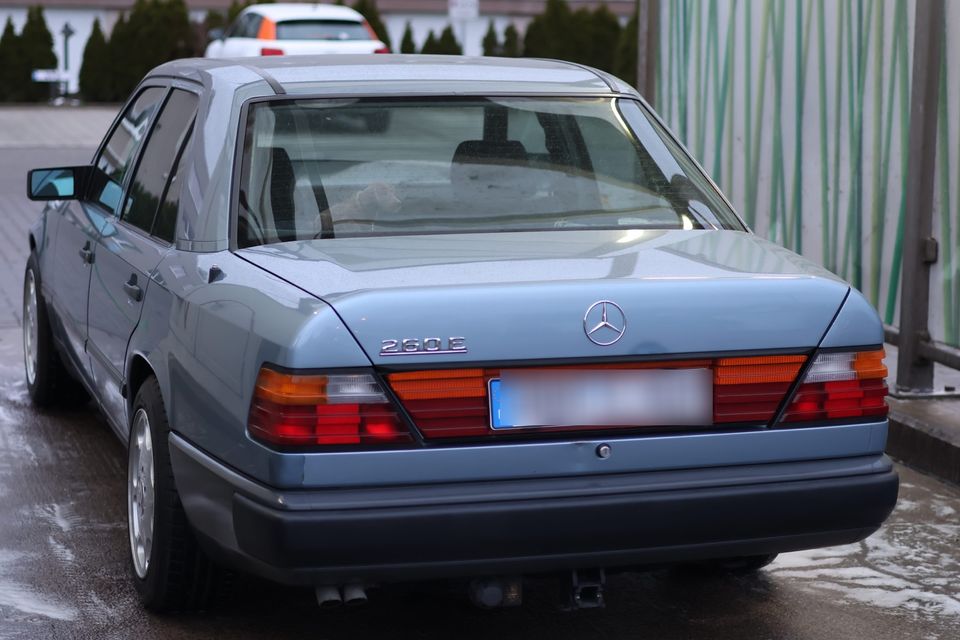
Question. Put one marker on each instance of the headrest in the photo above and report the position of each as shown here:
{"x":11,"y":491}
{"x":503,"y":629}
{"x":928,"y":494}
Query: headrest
{"x":490,"y":152}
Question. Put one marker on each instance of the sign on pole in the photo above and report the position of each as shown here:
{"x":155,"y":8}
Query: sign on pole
{"x":463,"y":9}
{"x":50,"y":75}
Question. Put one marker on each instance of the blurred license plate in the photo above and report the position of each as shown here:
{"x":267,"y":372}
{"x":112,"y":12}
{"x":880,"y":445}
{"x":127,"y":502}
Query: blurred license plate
{"x":598,"y":397}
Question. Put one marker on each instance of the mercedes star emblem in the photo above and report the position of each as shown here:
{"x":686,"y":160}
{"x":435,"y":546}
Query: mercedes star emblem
{"x":604,"y":323}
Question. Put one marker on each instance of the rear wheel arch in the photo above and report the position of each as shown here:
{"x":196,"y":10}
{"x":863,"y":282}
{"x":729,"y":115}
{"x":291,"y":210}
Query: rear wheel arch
{"x":139,"y":371}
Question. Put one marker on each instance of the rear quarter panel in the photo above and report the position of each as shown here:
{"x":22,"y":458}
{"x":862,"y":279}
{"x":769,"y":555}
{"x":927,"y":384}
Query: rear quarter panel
{"x":206,"y":342}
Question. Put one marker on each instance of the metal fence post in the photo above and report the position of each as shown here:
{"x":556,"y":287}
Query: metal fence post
{"x":915,"y":372}
{"x":648,"y":19}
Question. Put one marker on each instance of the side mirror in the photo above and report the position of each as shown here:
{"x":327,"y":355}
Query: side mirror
{"x":215,"y":34}
{"x":59,"y":183}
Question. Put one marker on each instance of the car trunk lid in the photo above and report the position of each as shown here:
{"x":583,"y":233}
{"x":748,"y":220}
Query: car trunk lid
{"x":445,"y":300}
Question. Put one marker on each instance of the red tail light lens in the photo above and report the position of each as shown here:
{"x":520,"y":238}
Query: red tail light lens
{"x":271,"y":51}
{"x":383,"y":50}
{"x":841,"y":385}
{"x":336,"y":409}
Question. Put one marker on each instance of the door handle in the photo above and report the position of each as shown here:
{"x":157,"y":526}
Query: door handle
{"x":132,"y":289}
{"x":86,"y":254}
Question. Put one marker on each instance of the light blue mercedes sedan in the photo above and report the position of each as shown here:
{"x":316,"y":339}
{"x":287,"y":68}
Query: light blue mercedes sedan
{"x":367,"y":319}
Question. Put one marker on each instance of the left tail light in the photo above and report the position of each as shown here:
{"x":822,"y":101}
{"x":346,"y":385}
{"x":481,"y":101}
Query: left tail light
{"x":842,"y":385}
{"x":296,"y":409}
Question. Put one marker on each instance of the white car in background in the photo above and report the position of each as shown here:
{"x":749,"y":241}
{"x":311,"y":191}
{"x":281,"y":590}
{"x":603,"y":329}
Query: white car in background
{"x":295,"y":29}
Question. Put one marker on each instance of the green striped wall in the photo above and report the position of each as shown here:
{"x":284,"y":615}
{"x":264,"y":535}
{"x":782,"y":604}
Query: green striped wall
{"x":800,"y":109}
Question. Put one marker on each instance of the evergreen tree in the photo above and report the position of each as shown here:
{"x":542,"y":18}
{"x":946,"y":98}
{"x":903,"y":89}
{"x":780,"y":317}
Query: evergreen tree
{"x":236,"y":6}
{"x":491,"y":43}
{"x":407,"y":45}
{"x":95,"y":84}
{"x":368,"y":9}
{"x":36,"y":49}
{"x":447,"y":44}
{"x":214,"y":20}
{"x":156,"y":31}
{"x":511,"y":42}
{"x":552,"y":34}
{"x":430,"y":45}
{"x":598,"y":38}
{"x":120,"y":74}
{"x":10,"y":60}
{"x":626,"y":62}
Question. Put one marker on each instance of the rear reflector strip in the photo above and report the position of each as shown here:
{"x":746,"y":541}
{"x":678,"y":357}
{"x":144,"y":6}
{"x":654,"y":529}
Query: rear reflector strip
{"x":751,"y":389}
{"x":746,"y":390}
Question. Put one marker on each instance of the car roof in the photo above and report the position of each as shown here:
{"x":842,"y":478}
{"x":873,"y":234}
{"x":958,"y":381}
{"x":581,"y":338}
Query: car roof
{"x":304,"y":11}
{"x":393,"y":74}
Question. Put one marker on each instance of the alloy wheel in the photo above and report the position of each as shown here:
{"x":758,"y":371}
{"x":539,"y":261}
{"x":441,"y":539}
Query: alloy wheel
{"x":140,"y":492}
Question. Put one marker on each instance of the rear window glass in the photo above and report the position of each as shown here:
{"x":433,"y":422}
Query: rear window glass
{"x":321,"y":30}
{"x":323,"y":169}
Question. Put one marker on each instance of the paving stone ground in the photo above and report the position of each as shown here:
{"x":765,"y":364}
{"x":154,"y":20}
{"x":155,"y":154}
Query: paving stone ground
{"x":32,"y":137}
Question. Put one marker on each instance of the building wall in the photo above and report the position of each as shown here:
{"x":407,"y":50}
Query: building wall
{"x":800,"y":111}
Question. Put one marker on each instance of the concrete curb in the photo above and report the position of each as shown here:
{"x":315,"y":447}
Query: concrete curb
{"x":924,"y":444}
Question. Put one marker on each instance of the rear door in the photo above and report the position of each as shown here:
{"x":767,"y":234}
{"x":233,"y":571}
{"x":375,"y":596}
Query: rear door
{"x":132,"y":244}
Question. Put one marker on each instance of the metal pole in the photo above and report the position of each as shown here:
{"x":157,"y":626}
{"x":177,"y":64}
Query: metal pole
{"x":915,"y":372}
{"x":647,"y":23}
{"x":66,"y":32}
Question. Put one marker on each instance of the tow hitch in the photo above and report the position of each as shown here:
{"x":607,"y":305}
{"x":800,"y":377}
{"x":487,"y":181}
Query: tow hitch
{"x":587,"y":589}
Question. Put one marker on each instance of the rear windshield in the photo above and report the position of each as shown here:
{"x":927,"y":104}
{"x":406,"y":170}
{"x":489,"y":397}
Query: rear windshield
{"x":321,"y":30}
{"x":332,"y":168}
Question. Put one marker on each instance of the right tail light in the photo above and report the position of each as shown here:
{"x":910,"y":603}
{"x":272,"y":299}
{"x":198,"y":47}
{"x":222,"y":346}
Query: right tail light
{"x":841,"y":385}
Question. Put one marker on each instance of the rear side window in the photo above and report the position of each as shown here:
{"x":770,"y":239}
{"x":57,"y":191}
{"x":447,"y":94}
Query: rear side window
{"x":159,"y":160}
{"x":165,"y":224}
{"x":246,"y":26}
{"x":321,"y":30}
{"x":121,"y":147}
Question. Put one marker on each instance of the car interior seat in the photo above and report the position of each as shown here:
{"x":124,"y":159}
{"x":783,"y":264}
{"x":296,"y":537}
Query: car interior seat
{"x":483,"y":174}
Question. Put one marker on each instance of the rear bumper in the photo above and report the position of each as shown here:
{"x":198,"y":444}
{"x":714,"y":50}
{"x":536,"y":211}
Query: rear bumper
{"x":526,"y":526}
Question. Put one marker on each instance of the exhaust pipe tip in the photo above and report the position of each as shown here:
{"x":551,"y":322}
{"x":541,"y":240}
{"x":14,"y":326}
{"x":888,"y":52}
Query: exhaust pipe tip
{"x":328,"y":597}
{"x":354,"y":594}
{"x":496,"y":592}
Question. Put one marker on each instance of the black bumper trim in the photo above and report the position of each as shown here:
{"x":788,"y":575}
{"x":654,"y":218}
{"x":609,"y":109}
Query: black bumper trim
{"x":557,"y":533}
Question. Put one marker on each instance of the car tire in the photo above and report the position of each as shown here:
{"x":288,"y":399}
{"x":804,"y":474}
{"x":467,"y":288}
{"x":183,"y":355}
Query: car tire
{"x":49,"y":383}
{"x":739,"y":564}
{"x":170,"y":571}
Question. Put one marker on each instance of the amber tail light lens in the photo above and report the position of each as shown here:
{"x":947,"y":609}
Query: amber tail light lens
{"x":336,"y":409}
{"x":839,"y":386}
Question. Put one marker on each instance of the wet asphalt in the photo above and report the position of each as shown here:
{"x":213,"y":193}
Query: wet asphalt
{"x":64,"y":562}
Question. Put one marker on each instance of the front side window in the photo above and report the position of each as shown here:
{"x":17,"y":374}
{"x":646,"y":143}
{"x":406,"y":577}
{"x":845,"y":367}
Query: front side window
{"x":330,"y":168}
{"x":158,"y":160}
{"x":121,"y":147}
